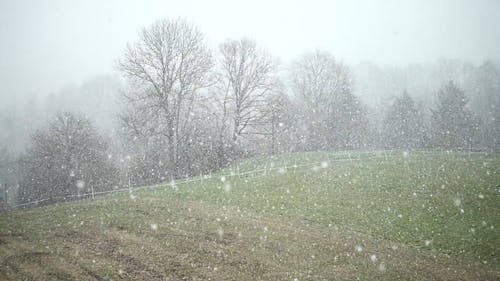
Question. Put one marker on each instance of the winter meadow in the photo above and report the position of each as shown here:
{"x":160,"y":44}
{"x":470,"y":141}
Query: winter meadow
{"x":300,"y":141}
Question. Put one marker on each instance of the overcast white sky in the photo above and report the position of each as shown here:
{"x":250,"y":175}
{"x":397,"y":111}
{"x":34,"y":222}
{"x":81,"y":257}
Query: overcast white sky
{"x":47,"y":44}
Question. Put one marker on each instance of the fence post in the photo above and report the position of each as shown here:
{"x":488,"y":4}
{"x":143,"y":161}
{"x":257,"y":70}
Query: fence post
{"x":129,"y":186}
{"x":92,"y":188}
{"x":5,"y":194}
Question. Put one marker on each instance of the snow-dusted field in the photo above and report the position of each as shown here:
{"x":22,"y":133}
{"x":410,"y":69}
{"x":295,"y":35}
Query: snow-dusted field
{"x":309,"y":216}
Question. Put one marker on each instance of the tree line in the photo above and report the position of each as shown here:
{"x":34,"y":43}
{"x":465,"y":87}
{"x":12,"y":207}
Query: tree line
{"x":188,"y":110}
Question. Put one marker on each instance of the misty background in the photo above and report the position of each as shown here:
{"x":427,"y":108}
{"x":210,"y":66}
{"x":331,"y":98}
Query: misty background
{"x":53,"y":49}
{"x":47,"y":45}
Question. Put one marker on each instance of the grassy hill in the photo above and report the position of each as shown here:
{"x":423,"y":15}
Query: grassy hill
{"x":308,"y":216}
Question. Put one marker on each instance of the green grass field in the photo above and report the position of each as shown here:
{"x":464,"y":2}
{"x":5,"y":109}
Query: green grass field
{"x":308,"y":216}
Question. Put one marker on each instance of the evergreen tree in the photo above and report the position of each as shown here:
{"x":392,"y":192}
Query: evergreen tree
{"x":485,"y":101}
{"x":403,"y":125}
{"x":453,"y":124}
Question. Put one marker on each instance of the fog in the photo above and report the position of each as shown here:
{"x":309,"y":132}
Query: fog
{"x":47,"y":45}
{"x":249,"y":140}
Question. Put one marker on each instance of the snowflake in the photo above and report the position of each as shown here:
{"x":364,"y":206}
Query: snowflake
{"x":80,"y":184}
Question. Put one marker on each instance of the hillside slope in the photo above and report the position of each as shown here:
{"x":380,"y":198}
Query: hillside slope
{"x":310,"y":216}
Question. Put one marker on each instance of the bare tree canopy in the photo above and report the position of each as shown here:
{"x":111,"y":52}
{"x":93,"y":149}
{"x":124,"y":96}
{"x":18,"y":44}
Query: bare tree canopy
{"x":317,"y":79}
{"x":249,"y":75}
{"x":166,"y":68}
{"x":67,"y":158}
{"x":332,"y":117}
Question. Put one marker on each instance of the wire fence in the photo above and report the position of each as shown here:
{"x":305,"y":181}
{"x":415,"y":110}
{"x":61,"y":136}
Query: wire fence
{"x":252,"y":174}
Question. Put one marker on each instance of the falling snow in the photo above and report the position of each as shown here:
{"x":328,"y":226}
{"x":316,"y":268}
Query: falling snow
{"x":238,"y":159}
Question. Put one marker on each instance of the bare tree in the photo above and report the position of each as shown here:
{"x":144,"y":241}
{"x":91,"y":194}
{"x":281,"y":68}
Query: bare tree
{"x":279,"y":123}
{"x":67,"y":158}
{"x":248,"y":77}
{"x":317,"y":79}
{"x":7,"y":177}
{"x":166,"y":68}
{"x":332,"y":117}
